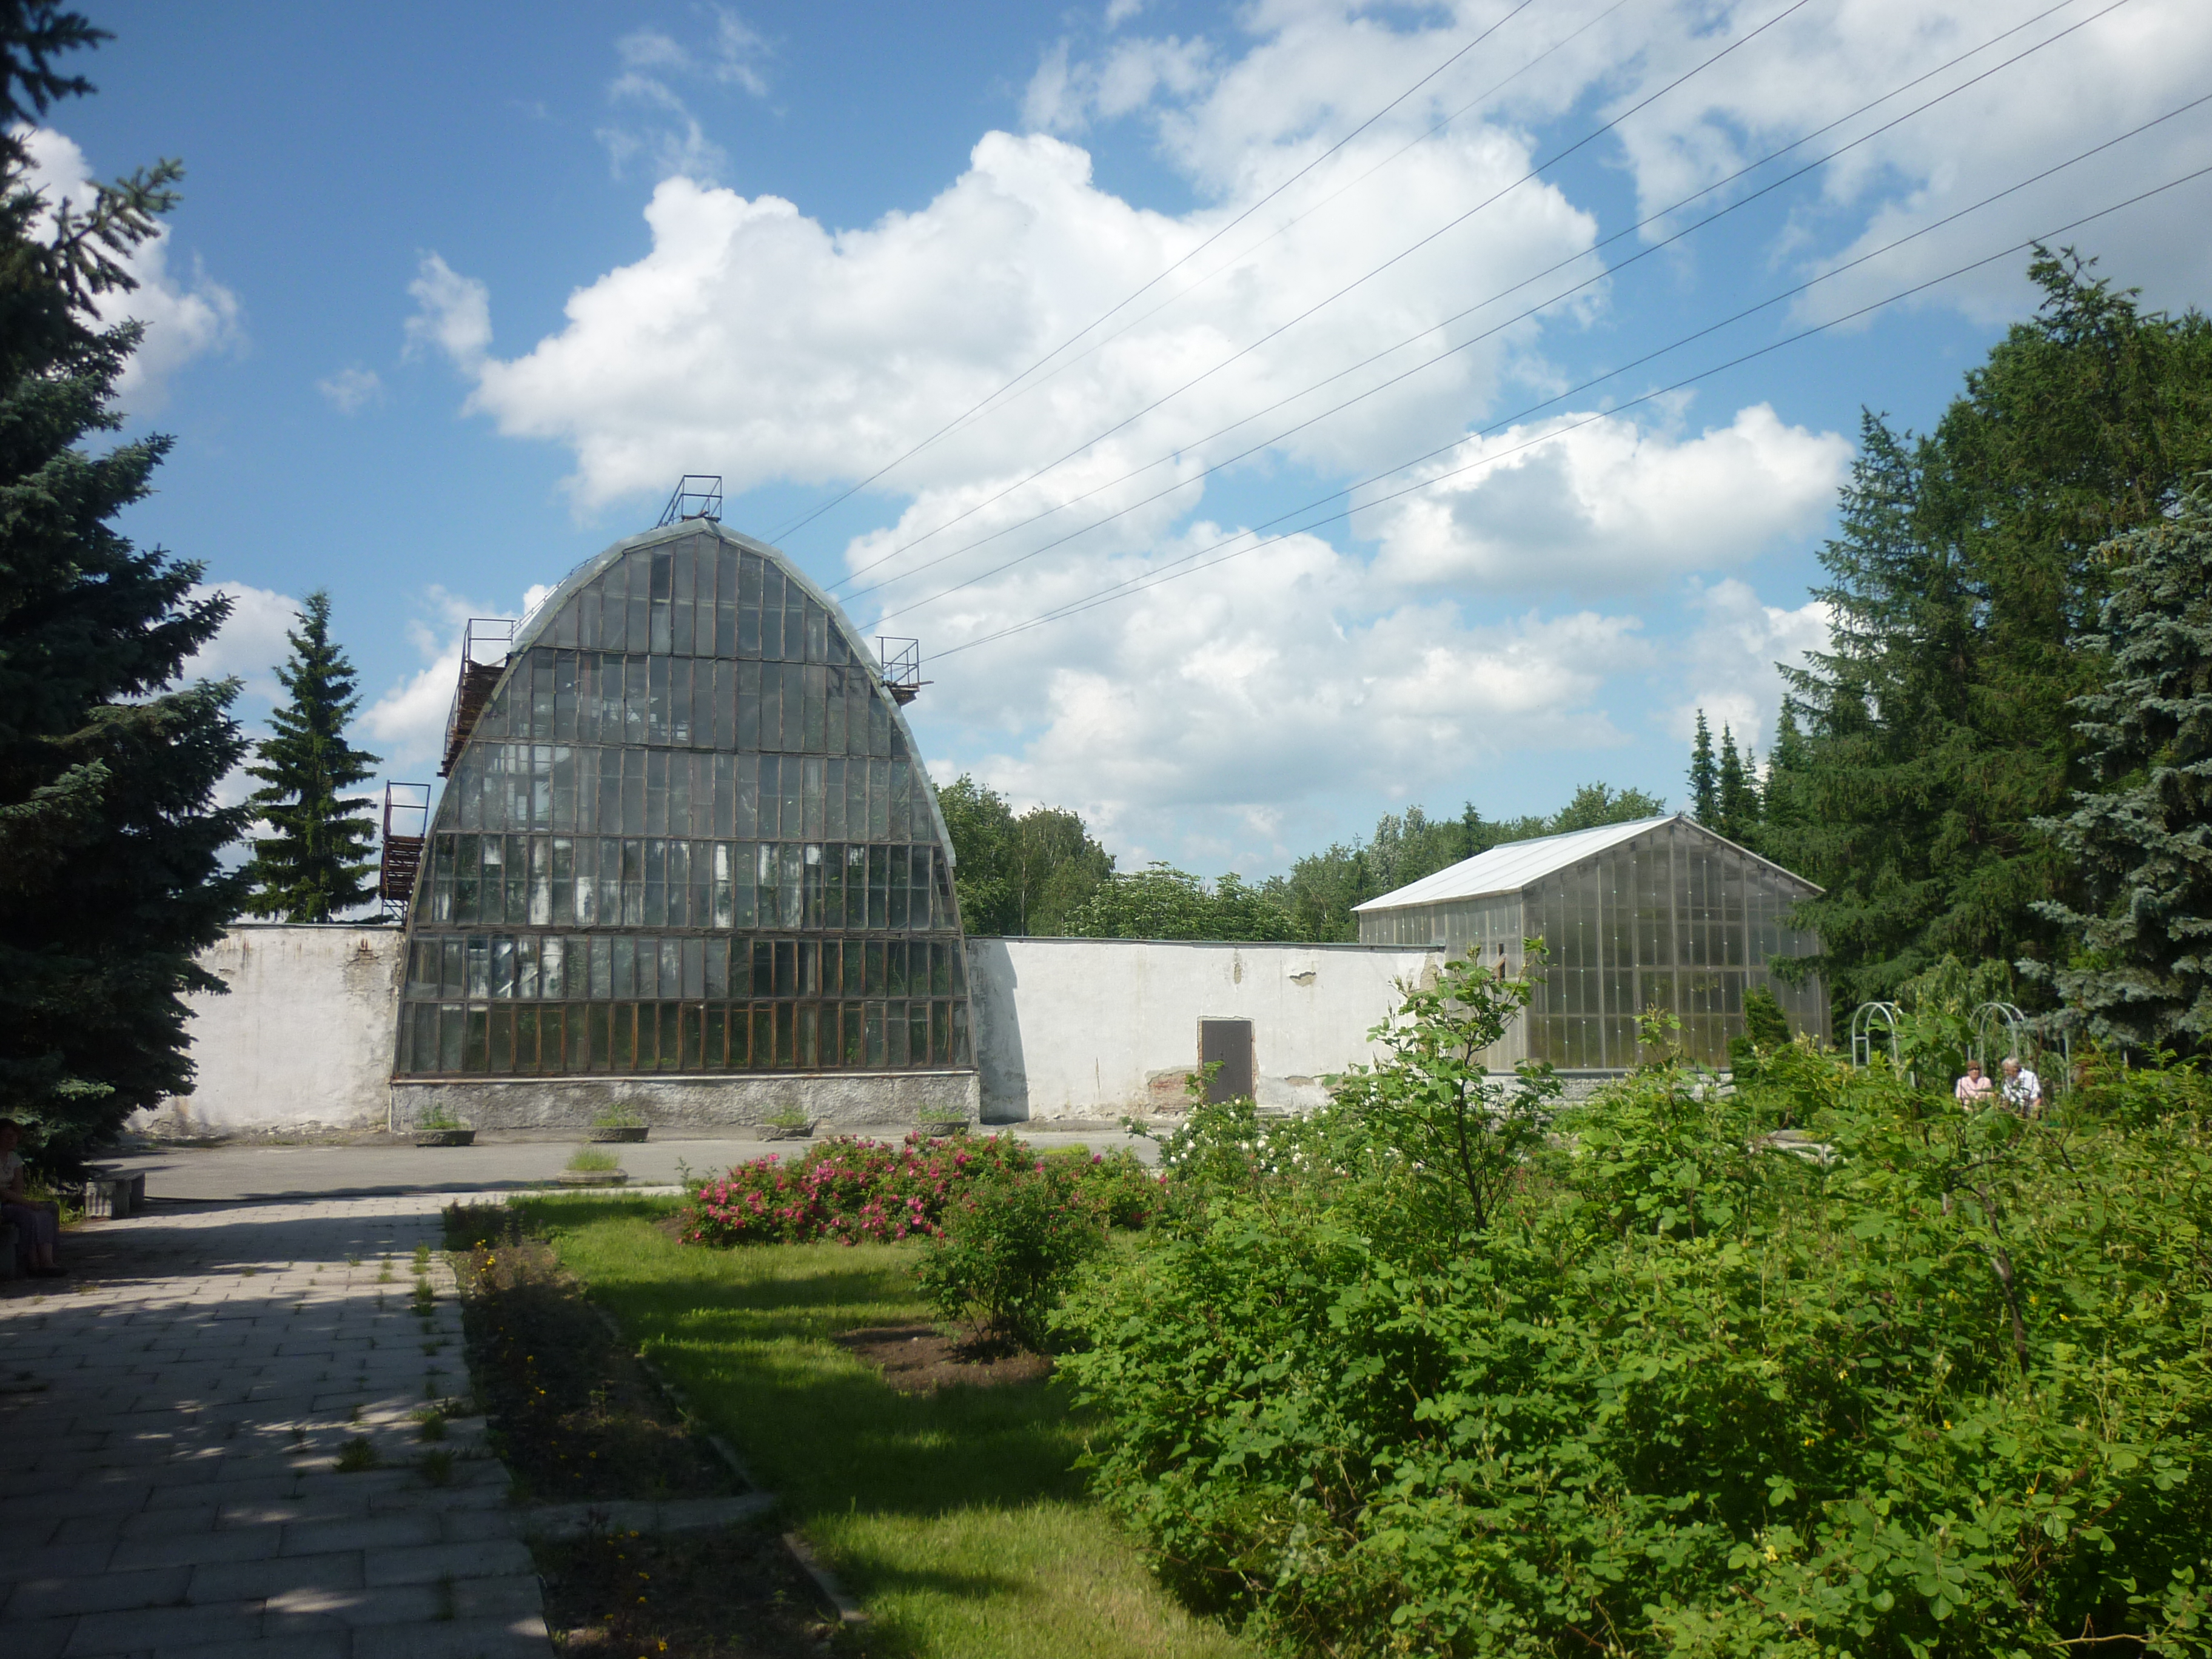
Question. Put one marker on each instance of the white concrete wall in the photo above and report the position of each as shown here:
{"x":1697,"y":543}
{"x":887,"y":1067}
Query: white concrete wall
{"x":304,"y":1037}
{"x":1097,"y":1028}
{"x":1065,"y":1028}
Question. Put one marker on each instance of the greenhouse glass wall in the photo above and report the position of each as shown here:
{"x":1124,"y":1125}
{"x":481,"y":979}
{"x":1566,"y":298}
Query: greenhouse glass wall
{"x":688,"y":834}
{"x":1660,"y":914}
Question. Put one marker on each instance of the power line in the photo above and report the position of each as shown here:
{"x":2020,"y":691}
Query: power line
{"x":1541,"y":306}
{"x":1403,"y":253}
{"x":901,"y":460}
{"x":1188,"y":566}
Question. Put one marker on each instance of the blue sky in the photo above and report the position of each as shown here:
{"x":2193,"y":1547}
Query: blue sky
{"x":456,"y":294}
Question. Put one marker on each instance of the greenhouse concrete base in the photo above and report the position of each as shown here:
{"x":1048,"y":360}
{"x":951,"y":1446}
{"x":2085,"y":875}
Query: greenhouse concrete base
{"x":839,"y":1099}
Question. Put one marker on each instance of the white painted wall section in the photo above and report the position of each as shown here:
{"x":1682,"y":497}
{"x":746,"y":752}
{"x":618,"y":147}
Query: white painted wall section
{"x":1097,"y":1028}
{"x":304,"y":1037}
{"x":1065,"y":1028}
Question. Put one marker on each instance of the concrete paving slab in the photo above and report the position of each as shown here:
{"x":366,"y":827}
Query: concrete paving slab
{"x":139,"y":1631}
{"x":100,"y":1592}
{"x":180,"y":1422}
{"x":38,"y":1638}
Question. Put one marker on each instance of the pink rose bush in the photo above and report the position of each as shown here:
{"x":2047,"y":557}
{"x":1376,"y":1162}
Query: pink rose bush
{"x":854,"y":1190}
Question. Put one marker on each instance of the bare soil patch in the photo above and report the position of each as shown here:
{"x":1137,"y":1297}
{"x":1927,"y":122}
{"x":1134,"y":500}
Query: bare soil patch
{"x":730,"y":1594}
{"x":922,"y":1359}
{"x":574,"y":1415}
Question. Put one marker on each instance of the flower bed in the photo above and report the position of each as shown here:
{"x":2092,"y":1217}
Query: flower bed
{"x":852,"y":1190}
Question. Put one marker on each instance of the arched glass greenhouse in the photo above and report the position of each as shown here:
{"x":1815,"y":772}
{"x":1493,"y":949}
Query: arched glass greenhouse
{"x":1660,"y":914}
{"x":685,"y":832}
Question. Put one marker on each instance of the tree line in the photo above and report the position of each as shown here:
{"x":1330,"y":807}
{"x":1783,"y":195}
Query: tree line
{"x":1042,"y":873}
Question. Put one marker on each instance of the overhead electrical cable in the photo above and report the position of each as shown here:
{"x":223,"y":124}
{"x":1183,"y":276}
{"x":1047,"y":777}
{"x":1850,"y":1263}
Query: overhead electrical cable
{"x":1169,"y":270}
{"x":1246,"y":350}
{"x":1448,"y":352}
{"x":1188,"y":564}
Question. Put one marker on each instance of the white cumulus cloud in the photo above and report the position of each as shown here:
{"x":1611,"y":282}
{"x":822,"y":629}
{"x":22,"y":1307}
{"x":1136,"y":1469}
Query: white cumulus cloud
{"x":1590,"y":505}
{"x":1204,"y":705}
{"x":185,"y":317}
{"x":1731,"y":661}
{"x":251,"y":642}
{"x":784,"y":349}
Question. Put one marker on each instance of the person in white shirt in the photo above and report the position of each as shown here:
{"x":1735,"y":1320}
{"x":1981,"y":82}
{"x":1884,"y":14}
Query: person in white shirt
{"x":2023,"y":1090}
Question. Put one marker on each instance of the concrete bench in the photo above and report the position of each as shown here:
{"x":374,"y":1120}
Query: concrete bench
{"x":113,"y":1198}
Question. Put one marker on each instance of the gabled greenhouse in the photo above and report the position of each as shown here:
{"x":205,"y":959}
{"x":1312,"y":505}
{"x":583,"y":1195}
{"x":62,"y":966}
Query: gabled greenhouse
{"x":1659,"y":913}
{"x":685,"y":837}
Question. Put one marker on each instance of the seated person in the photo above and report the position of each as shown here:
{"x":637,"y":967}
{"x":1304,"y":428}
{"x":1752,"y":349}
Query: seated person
{"x":1974,"y":1089}
{"x":2023,"y":1090}
{"x":37,"y":1222}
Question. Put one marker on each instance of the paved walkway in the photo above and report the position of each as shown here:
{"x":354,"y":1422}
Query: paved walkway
{"x":171,"y":1417}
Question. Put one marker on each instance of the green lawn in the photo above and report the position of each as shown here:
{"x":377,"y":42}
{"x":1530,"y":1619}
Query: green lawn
{"x":957,"y":1518}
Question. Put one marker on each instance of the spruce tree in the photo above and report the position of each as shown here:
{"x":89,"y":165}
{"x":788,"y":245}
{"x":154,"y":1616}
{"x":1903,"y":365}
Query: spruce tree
{"x":1935,"y":729}
{"x":110,"y":874}
{"x":1738,"y":791}
{"x":1704,"y":778}
{"x":315,"y":865}
{"x":2143,"y":976}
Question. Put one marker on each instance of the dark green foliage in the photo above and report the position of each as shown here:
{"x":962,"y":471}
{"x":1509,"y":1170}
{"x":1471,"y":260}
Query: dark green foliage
{"x":1594,"y":806}
{"x":316,"y":864}
{"x":1739,"y":792}
{"x":1937,"y":730}
{"x":1019,"y":875}
{"x":2157,"y":1095}
{"x":110,"y":881}
{"x":1009,"y":1247}
{"x":1043,"y":873}
{"x":1161,"y":902}
{"x":1941,"y":1388}
{"x":1705,"y":775}
{"x":1765,"y":1028}
{"x":2143,"y":976}
{"x":1763,"y":1022}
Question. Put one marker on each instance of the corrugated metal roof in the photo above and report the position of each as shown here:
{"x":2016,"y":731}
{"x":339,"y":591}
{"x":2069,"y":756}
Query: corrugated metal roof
{"x":1510,"y":868}
{"x":1517,"y":863}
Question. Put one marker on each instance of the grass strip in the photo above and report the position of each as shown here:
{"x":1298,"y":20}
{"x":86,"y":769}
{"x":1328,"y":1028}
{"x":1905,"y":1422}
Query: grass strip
{"x":957,"y":1517}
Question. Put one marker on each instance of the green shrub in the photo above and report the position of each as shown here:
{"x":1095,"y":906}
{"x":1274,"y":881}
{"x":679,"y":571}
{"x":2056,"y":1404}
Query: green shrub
{"x":1007,"y":1249}
{"x":1652,"y":1387}
{"x":590,"y":1160}
{"x":2120,"y":1089}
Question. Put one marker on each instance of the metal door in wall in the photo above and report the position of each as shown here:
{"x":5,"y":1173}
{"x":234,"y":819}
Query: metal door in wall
{"x":1226,"y":1043}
